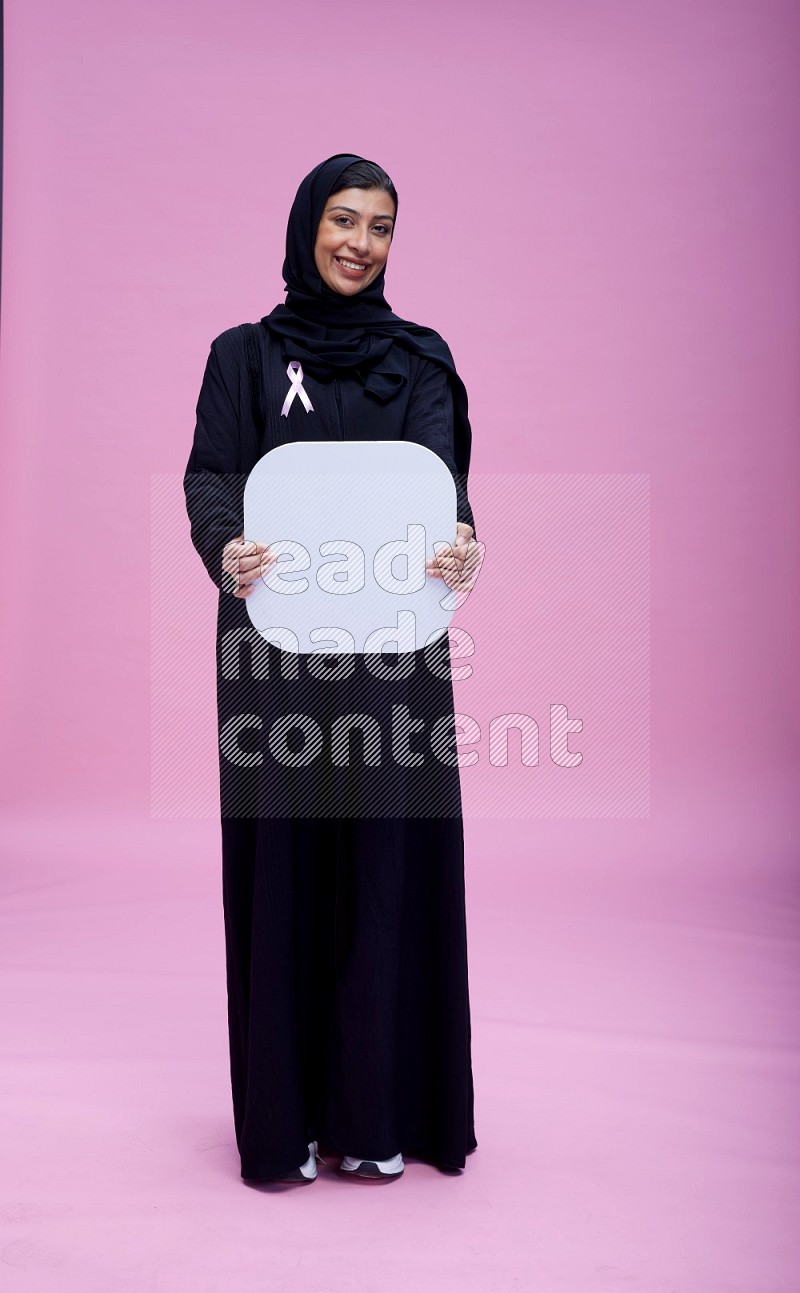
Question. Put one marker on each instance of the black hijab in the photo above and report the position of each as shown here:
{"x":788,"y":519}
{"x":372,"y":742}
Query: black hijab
{"x":329,"y":331}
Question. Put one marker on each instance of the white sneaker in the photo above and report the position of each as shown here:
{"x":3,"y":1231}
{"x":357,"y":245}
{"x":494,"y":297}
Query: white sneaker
{"x":374,"y":1167}
{"x":308,"y":1170}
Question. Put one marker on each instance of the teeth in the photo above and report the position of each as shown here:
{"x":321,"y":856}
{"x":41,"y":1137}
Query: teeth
{"x":350,"y":264}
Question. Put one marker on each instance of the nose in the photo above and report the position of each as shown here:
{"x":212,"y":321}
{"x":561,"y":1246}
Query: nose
{"x":359,"y":242}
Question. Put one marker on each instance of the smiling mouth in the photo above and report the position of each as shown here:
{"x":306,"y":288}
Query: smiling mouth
{"x":351,"y":264}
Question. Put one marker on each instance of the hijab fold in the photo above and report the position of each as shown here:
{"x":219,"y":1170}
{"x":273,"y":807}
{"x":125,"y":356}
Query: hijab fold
{"x":329,"y":331}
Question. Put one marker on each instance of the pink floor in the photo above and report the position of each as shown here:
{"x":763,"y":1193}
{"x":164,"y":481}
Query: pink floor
{"x":635,"y":1061}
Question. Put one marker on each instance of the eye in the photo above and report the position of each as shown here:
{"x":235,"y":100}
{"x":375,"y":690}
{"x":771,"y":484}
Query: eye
{"x":382,"y":228}
{"x":342,"y":217}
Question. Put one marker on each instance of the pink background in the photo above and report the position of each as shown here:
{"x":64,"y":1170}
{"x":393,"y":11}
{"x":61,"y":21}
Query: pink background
{"x":599,"y":211}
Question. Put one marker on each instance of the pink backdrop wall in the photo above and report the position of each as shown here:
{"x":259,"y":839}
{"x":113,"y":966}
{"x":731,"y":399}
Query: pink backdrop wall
{"x":598,"y":212}
{"x":599,"y":205}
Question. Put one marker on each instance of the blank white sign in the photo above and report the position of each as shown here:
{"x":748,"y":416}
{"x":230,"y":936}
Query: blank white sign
{"x":354,"y":523}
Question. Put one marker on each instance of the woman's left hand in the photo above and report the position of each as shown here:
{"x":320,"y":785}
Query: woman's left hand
{"x":458,"y":565}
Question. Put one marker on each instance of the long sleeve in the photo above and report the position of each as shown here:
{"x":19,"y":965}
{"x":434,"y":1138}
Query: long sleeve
{"x":429,"y":422}
{"x":213,"y":485}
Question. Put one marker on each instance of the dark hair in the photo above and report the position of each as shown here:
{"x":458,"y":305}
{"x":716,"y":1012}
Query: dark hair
{"x":366,"y":175}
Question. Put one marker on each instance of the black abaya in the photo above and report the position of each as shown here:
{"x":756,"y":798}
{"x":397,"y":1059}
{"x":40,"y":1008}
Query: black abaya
{"x":343,"y":886}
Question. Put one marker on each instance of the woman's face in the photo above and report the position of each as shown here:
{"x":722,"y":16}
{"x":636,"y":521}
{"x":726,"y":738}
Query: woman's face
{"x":353,"y":238}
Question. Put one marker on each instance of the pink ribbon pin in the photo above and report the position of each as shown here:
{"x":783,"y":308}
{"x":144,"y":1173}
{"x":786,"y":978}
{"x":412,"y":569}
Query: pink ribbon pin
{"x":295,"y":374}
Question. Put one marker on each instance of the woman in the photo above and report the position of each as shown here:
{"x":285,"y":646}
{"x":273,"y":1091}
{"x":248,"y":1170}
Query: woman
{"x":343,"y":886}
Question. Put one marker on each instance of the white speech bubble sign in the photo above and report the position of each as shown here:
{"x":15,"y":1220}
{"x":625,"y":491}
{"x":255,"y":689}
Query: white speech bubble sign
{"x":353,"y":522}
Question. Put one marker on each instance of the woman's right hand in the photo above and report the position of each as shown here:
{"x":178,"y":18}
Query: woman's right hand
{"x":243,"y":563}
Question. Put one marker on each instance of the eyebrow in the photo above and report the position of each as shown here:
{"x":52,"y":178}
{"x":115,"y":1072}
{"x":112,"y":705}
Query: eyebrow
{"x":354,"y":212}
